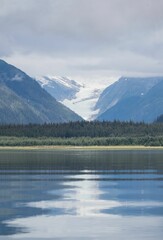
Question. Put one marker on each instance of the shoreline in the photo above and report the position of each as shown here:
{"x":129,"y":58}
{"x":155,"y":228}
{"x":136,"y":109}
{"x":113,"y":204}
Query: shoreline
{"x":83,"y":148}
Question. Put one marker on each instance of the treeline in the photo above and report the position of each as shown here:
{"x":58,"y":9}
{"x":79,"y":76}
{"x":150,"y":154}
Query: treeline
{"x":84,"y":129}
{"x":82,"y":141}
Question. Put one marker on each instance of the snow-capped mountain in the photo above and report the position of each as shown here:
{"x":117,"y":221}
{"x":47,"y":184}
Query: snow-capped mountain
{"x":59,"y":87}
{"x":79,"y":97}
{"x":137,"y":99}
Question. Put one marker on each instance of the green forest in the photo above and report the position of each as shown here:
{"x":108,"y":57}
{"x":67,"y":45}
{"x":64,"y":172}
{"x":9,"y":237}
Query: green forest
{"x":83,"y":134}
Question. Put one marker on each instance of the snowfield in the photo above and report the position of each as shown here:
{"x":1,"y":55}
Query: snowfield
{"x":84,"y":102}
{"x":81,"y":97}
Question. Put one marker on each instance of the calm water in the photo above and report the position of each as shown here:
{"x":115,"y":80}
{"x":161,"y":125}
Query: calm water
{"x":75,"y":195}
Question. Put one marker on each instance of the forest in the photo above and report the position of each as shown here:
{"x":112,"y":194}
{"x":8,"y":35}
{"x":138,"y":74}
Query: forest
{"x":83,"y":134}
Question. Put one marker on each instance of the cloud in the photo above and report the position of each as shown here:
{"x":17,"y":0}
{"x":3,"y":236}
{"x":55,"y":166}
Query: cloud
{"x":107,"y":35}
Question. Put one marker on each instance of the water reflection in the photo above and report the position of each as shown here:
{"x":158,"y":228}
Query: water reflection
{"x":81,"y":195}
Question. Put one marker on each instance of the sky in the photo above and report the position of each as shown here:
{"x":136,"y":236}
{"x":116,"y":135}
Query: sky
{"x":84,"y":39}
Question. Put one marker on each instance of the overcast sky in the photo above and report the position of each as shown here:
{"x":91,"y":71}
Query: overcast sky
{"x":85,"y":39}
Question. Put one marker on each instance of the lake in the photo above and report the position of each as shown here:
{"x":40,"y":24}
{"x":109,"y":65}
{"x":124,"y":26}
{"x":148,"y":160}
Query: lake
{"x":114,"y":194}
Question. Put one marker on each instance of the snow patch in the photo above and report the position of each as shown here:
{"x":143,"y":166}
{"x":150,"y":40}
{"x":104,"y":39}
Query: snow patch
{"x":17,"y":77}
{"x":63,"y":81}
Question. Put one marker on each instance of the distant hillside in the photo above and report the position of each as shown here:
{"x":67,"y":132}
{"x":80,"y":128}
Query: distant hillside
{"x":136,"y":99}
{"x":22,"y":100}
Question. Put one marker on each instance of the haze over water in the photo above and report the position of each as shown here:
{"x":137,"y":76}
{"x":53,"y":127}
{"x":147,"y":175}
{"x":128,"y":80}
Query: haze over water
{"x":81,"y":195}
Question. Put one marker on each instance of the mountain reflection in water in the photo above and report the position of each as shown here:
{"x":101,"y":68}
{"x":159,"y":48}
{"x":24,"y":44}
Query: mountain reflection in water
{"x":81,"y":195}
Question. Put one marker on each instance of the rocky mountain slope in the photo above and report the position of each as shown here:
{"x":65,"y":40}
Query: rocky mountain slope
{"x":22,"y":100}
{"x":137,"y":99}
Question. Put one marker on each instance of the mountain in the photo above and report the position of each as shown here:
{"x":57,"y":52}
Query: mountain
{"x":122,"y":89}
{"x":22,"y":100}
{"x":137,"y":99}
{"x":81,"y":98}
{"x":60,"y":87}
